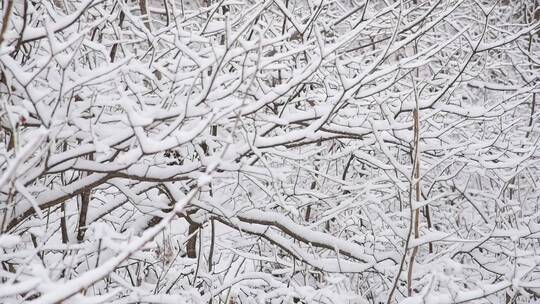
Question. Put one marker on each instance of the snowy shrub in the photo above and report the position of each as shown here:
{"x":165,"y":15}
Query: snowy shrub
{"x":280,"y":151}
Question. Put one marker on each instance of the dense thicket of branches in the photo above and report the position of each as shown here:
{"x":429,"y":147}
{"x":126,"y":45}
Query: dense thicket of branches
{"x":280,"y":151}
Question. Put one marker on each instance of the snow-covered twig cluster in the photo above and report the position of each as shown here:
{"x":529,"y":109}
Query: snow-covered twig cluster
{"x":279,"y":151}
